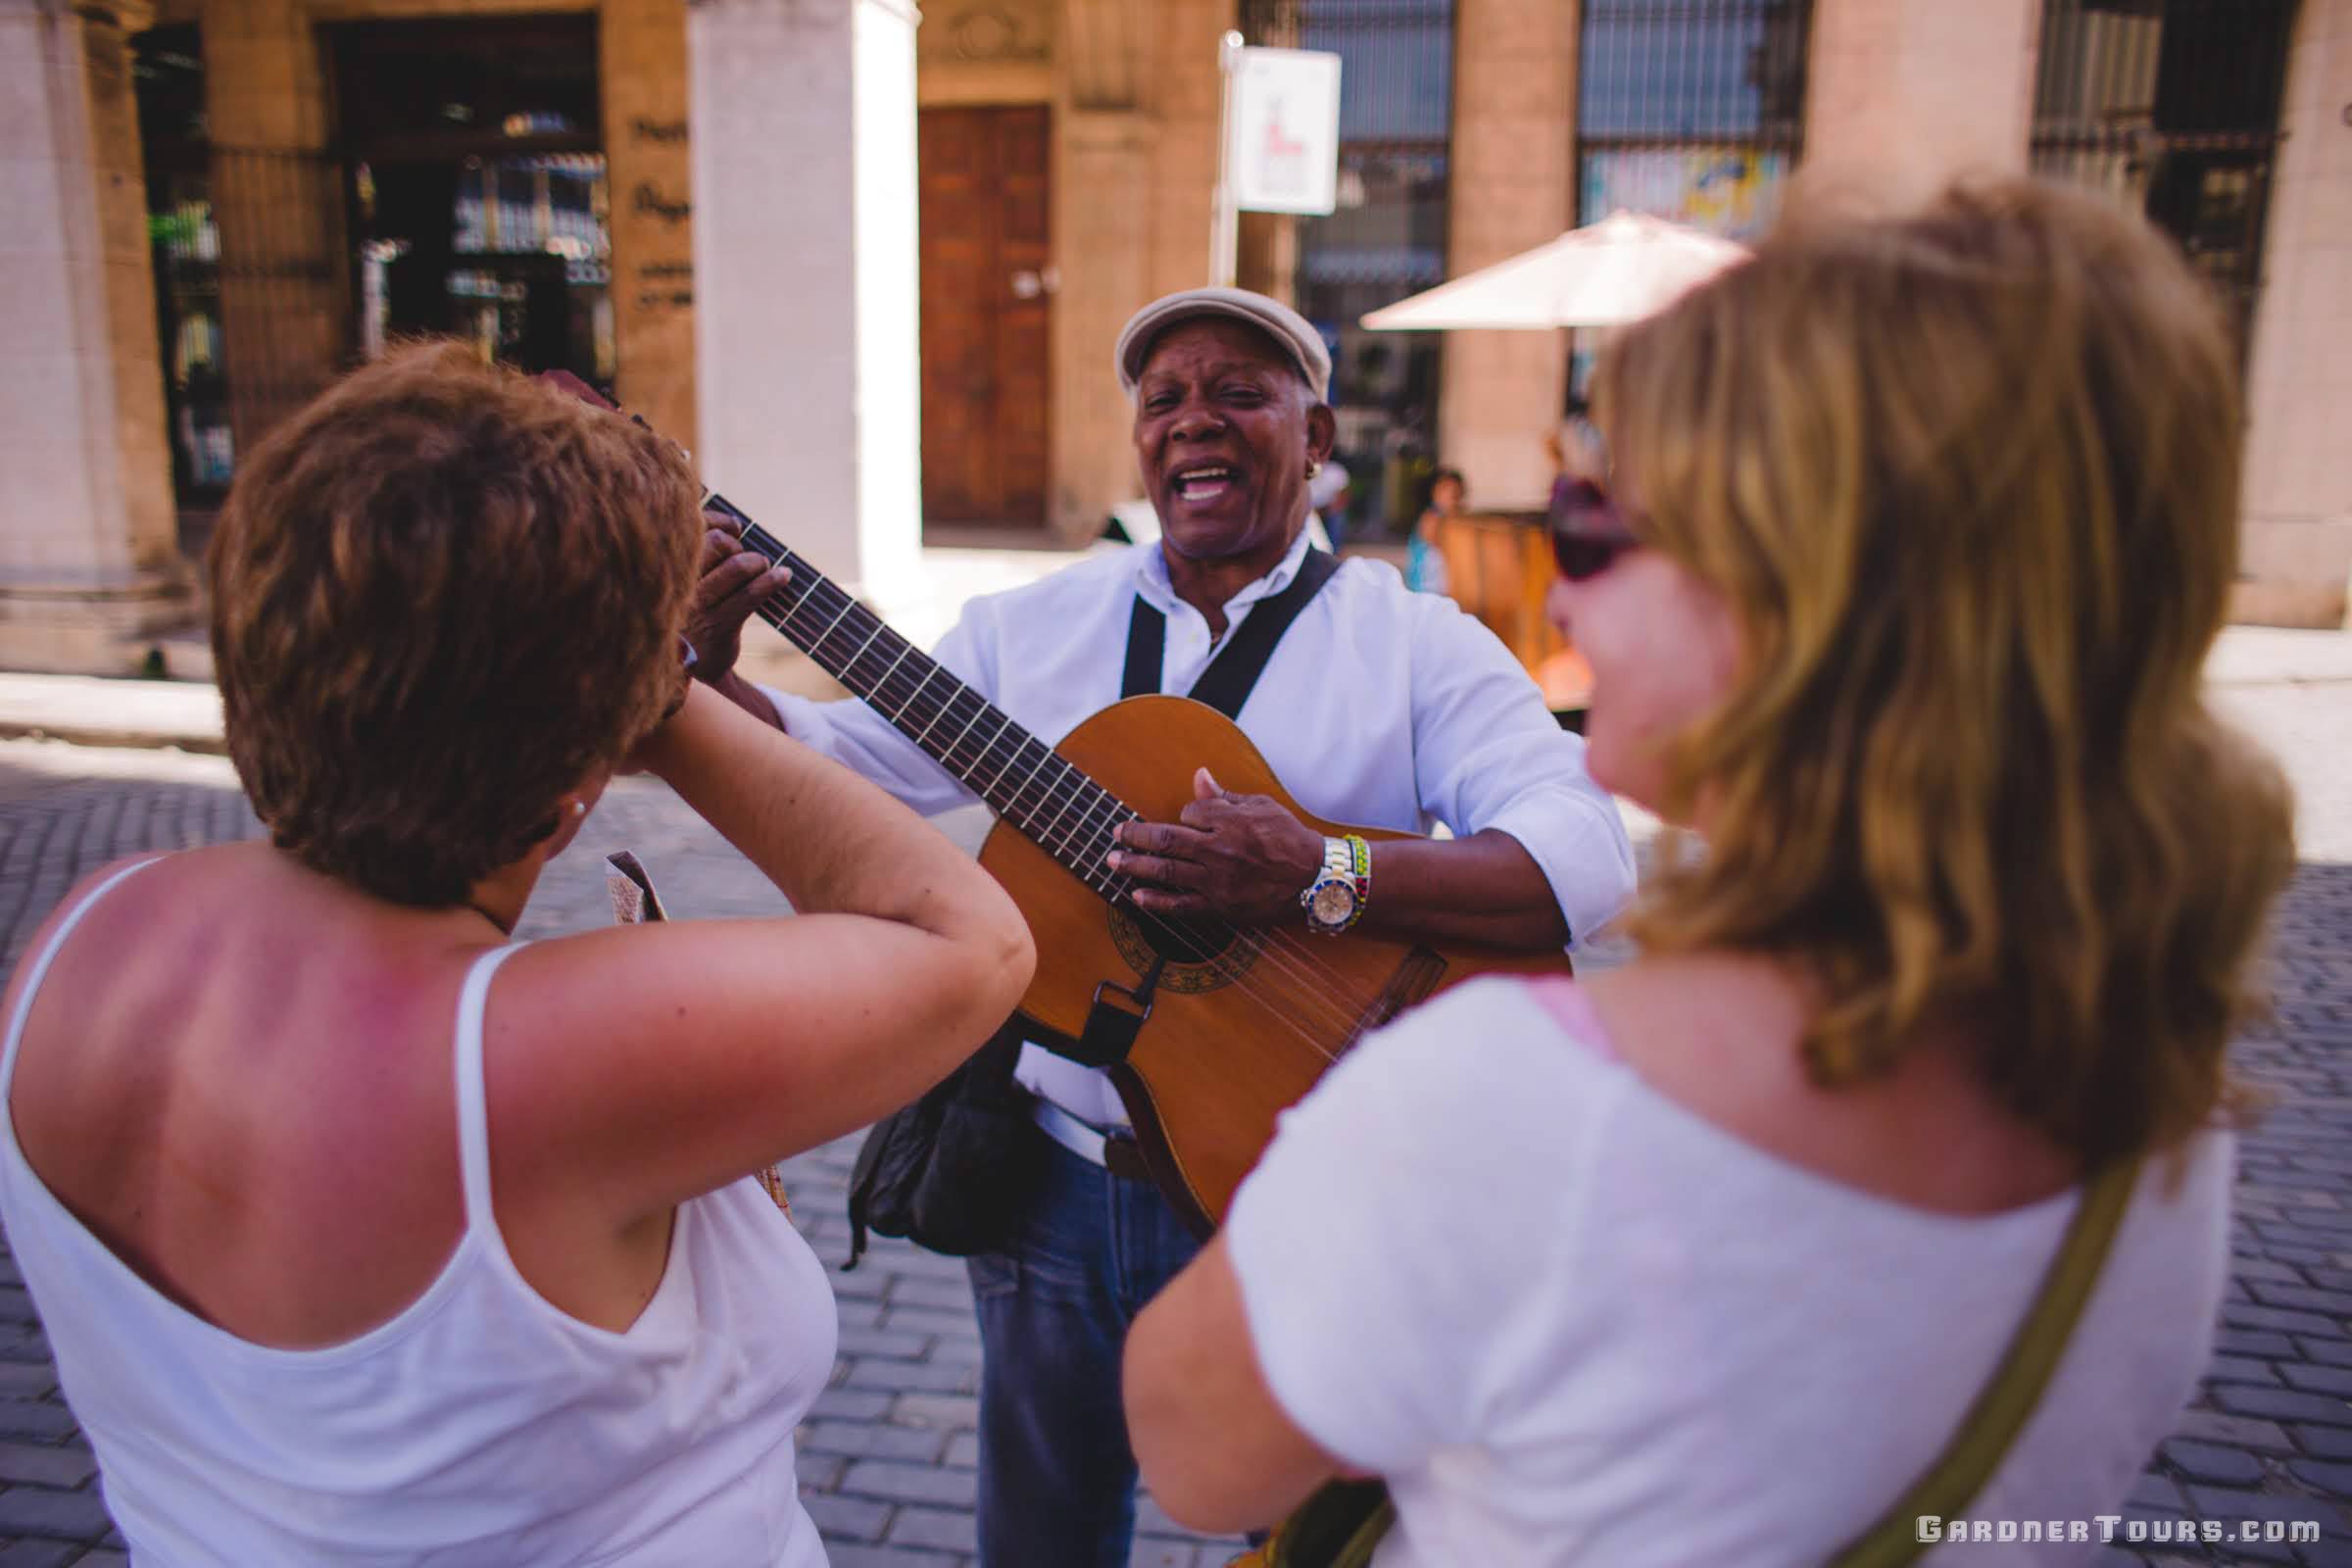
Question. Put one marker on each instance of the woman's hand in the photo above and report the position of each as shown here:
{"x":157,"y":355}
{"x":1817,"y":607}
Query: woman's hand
{"x":666,"y":1060}
{"x":1242,"y":857}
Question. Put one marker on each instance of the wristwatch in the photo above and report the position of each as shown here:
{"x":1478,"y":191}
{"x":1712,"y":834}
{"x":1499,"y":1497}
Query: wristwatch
{"x":1343,"y":886}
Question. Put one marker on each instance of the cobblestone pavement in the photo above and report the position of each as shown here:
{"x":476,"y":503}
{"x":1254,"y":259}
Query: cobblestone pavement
{"x":887,"y":1456}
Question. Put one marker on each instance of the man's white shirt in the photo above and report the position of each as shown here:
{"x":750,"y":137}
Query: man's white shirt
{"x":1380,"y":706}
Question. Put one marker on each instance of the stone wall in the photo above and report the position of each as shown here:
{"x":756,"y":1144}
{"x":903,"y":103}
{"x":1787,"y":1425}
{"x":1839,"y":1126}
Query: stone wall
{"x":1902,"y":95}
{"x":1514,"y":93}
{"x":2297,"y":546}
{"x":284,"y":272}
{"x":88,"y":568}
{"x":641,"y":50}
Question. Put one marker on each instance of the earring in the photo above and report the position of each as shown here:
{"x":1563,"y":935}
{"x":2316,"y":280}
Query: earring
{"x":1313,"y":467}
{"x":579,"y":808}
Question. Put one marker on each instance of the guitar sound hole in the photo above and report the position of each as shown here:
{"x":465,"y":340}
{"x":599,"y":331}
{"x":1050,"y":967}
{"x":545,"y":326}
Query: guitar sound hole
{"x":1181,"y":940}
{"x":1202,"y":955}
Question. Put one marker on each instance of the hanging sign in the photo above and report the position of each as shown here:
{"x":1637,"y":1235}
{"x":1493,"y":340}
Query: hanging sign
{"x":1285,"y":129}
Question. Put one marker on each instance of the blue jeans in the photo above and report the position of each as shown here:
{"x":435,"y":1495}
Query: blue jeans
{"x":1056,"y":1477}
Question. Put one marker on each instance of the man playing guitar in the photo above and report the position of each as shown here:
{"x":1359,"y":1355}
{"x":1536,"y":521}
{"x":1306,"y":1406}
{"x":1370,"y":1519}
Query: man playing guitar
{"x":1378,"y":705}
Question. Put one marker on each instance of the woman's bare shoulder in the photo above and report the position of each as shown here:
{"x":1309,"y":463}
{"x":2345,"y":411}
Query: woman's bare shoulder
{"x":1695,"y":1003}
{"x":1720,"y":1036}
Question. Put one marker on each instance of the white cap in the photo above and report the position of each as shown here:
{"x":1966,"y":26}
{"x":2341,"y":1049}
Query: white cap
{"x":1299,"y":341}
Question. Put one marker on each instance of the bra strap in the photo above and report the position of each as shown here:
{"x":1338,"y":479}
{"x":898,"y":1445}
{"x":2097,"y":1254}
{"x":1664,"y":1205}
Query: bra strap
{"x":473,"y":1118}
{"x":40,"y":970}
{"x":1571,"y":1008}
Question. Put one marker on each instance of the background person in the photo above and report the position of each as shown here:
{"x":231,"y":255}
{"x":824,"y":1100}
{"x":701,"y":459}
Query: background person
{"x":1327,"y":492}
{"x":1378,"y":707}
{"x":1424,"y":555}
{"x":351,"y":1251}
{"x":1703,"y":1260}
{"x":1575,"y":447}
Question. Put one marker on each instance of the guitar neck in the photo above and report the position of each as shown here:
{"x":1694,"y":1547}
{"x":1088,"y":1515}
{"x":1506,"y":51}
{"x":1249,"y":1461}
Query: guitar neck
{"x":1023,"y":780}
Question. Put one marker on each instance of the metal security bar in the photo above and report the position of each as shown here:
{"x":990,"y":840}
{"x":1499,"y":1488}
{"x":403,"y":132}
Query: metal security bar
{"x":1682,"y":70}
{"x":1691,"y":109}
{"x":2172,"y":106}
{"x":285,"y":280}
{"x":1387,"y":239}
{"x":1396,"y":121}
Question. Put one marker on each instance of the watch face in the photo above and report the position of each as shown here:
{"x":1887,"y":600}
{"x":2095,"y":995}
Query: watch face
{"x":1334,"y":901}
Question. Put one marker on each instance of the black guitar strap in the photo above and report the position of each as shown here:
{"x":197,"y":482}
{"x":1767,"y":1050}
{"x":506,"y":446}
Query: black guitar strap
{"x":1226,"y":684}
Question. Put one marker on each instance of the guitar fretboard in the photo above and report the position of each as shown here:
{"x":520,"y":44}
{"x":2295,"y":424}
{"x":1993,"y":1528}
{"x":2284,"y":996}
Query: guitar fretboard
{"x":1023,"y":780}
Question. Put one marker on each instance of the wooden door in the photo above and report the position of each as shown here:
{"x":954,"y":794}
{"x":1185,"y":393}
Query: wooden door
{"x":987,"y":291}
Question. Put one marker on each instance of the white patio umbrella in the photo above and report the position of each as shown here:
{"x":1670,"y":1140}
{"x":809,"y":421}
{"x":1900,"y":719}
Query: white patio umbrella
{"x":1621,"y":269}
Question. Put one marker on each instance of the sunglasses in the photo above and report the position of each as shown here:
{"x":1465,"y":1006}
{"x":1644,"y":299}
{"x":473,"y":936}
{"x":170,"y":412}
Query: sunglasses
{"x":1589,"y":531}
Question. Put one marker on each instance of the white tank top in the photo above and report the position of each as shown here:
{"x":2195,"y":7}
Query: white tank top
{"x":478,"y":1426}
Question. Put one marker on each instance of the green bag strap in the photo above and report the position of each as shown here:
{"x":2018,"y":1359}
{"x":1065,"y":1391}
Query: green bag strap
{"x":2002,"y":1410}
{"x":1340,"y":1525}
{"x":1357,"y":1552}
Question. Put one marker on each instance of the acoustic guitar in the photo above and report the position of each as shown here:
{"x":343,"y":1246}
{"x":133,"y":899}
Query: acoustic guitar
{"x":1208,"y":1029}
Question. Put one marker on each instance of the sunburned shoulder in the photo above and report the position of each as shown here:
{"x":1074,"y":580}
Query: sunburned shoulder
{"x":1693,"y":1026}
{"x":1718,"y":1035}
{"x":1700,"y":995}
{"x":119,"y":911}
{"x":79,"y":894}
{"x":44,"y":933}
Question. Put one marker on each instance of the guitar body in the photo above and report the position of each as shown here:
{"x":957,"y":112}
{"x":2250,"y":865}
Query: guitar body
{"x":1219,"y":1029}
{"x":1232,"y":1041}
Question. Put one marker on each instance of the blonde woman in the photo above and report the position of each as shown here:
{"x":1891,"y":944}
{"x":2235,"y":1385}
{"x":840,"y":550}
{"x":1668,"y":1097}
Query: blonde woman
{"x":365,"y":1235}
{"x":1917,"y":535}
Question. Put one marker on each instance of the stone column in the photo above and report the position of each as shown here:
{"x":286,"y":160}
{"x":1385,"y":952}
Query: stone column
{"x":1266,"y":257}
{"x":1104,"y":150}
{"x":278,"y":204}
{"x":1184,"y":94}
{"x":1135,"y":171}
{"x":1514,"y":92}
{"x":2297,"y":546}
{"x":88,"y":556}
{"x":1902,"y":95}
{"x":1101,"y":242}
{"x":648,"y":176}
{"x":805,"y":277}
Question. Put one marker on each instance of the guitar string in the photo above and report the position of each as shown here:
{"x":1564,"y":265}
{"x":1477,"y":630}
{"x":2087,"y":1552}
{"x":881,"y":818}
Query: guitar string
{"x":1337,"y":1017}
{"x":1339,"y":996}
{"x":1344,"y":1007}
{"x":1098,"y":838}
{"x":1349,"y":1003}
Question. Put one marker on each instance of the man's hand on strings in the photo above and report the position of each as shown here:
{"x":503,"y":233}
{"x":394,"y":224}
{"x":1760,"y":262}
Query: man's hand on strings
{"x":736,"y":580}
{"x":1242,"y":857}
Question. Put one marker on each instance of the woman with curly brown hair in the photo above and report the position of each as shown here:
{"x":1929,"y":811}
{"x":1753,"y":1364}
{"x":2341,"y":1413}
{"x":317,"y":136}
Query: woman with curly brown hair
{"x":1898,"y":595}
{"x":349,"y":1252}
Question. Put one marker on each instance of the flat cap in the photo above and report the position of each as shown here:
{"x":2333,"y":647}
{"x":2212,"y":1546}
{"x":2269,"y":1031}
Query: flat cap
{"x":1299,"y":341}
